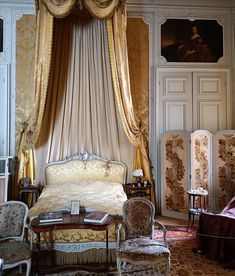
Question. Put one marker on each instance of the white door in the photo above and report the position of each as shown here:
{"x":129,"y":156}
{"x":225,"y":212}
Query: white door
{"x":175,"y":100}
{"x":210,"y":101}
{"x":191,"y":99}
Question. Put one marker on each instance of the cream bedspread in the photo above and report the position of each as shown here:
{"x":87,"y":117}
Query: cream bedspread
{"x":93,"y":195}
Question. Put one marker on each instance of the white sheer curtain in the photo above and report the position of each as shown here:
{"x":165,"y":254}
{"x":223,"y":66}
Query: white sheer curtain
{"x":81,"y":113}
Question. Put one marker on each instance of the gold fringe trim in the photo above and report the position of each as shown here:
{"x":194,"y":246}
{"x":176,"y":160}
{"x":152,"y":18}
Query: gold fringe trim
{"x":89,"y":256}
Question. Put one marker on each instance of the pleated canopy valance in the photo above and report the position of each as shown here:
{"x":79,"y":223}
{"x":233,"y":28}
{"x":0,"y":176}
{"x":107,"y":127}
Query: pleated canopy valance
{"x":98,"y":8}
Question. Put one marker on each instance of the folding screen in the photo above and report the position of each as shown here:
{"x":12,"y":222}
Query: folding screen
{"x":208,"y":165}
{"x":201,"y":165}
{"x":224,"y":157}
{"x":175,"y":173}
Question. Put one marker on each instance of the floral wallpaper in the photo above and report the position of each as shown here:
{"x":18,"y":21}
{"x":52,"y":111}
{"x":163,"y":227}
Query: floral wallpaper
{"x":225,"y":168}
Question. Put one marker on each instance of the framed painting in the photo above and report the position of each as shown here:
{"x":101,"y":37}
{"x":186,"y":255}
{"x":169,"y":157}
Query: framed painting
{"x":183,"y":40}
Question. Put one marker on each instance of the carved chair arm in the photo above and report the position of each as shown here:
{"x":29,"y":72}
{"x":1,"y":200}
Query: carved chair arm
{"x":164,"y":230}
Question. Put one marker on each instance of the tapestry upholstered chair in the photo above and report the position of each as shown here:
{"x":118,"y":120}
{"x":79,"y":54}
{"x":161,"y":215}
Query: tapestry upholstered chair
{"x":138,"y":245}
{"x":13,"y":250}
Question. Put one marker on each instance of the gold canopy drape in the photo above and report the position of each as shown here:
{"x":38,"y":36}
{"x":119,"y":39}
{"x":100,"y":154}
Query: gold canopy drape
{"x":114,"y":12}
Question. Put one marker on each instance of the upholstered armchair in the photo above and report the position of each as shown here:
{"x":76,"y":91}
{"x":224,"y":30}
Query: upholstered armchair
{"x":139,"y":245}
{"x":13,"y":250}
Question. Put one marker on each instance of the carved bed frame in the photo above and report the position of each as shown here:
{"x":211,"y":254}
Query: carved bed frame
{"x":85,"y":166}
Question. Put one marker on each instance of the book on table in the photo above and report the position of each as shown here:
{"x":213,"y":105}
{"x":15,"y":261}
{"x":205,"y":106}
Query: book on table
{"x":95,"y":217}
{"x":51,"y":217}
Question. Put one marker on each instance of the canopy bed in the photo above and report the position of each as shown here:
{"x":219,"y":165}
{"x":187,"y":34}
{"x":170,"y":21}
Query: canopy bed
{"x":82,"y":97}
{"x":97,"y":183}
{"x":82,"y":102}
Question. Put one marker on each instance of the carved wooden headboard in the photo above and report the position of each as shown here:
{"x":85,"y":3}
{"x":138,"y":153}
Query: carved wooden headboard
{"x":84,"y":166}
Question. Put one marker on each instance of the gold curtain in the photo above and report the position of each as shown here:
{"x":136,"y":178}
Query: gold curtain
{"x":121,"y":80}
{"x":46,"y":11}
{"x":32,"y":127}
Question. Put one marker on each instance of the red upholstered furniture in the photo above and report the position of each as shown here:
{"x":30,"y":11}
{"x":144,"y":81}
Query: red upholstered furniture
{"x":216,"y":235}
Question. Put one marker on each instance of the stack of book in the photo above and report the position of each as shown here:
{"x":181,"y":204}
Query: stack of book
{"x":95,"y":217}
{"x":51,"y":217}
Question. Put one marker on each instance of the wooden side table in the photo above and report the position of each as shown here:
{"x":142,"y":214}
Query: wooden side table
{"x":194,"y":210}
{"x":138,"y":190}
{"x":25,"y":191}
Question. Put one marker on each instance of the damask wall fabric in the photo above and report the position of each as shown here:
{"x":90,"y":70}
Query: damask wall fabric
{"x":25,"y":46}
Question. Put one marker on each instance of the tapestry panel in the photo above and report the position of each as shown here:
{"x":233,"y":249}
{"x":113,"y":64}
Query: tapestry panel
{"x":224,"y":151}
{"x":201,"y":161}
{"x":175,"y":173}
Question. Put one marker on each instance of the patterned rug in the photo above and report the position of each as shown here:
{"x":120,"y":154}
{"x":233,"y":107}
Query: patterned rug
{"x":183,"y":261}
{"x":177,"y":233}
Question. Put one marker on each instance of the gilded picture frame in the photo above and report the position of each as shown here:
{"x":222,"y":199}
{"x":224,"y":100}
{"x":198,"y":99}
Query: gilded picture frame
{"x":183,"y":40}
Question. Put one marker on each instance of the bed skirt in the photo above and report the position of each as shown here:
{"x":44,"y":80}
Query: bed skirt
{"x":91,"y":256}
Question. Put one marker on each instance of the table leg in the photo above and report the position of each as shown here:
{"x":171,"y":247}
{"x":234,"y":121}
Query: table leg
{"x":107,"y":246}
{"x":189,"y":219}
{"x":189,"y":212}
{"x":38,"y":251}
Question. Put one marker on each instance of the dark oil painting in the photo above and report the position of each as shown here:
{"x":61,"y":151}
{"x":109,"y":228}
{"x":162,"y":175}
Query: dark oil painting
{"x":183,"y":40}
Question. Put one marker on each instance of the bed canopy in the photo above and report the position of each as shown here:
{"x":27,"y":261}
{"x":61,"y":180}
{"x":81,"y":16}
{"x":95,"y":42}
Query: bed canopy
{"x":54,"y":21}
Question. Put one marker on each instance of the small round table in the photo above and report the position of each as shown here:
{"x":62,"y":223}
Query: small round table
{"x":194,"y":210}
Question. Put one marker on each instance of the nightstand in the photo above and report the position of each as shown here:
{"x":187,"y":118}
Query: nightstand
{"x":25,"y":191}
{"x":138,"y":190}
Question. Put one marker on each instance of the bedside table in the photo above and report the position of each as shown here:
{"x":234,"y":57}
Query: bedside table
{"x":194,"y":210}
{"x":138,"y":190}
{"x":25,"y":191}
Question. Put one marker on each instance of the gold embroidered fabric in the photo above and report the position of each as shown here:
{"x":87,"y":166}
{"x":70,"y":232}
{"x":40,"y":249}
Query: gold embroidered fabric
{"x":75,"y":171}
{"x":102,"y":8}
{"x":93,"y":195}
{"x":59,"y":8}
{"x":41,"y":75}
{"x":79,"y":236}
